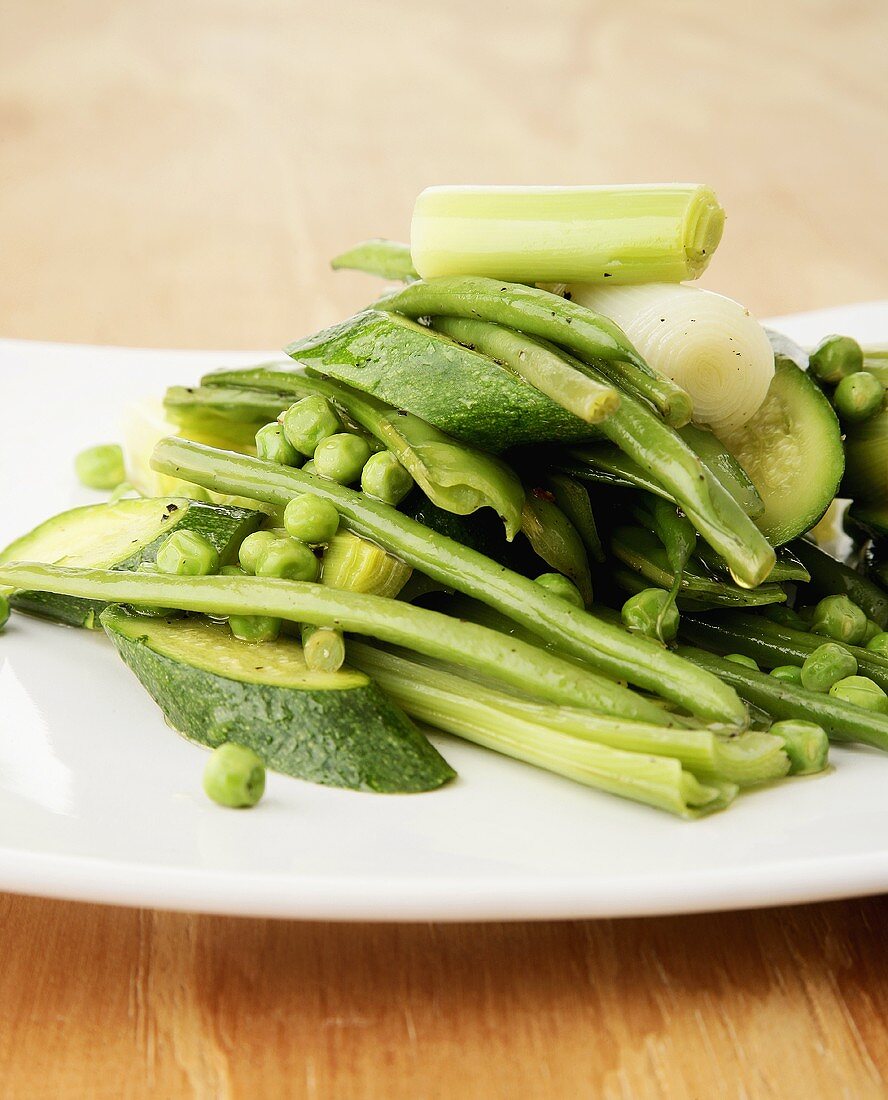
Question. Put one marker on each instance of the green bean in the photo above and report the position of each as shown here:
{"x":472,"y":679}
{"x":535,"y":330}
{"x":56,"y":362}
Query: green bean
{"x":641,"y":550}
{"x":784,"y":616}
{"x":838,"y":618}
{"x":860,"y":691}
{"x":539,"y":313}
{"x":834,"y":358}
{"x":555,"y":539}
{"x":388,"y":259}
{"x":652,"y":613}
{"x":787,"y":567}
{"x":830,"y":577}
{"x":4,"y":611}
{"x":770,"y":643}
{"x":724,"y":468}
{"x":272,"y":445}
{"x":805,"y":743}
{"x":787,"y":701}
{"x":504,"y":658}
{"x":603,"y":645}
{"x":858,"y":397}
{"x":677,"y":535}
{"x":341,"y":457}
{"x":100,"y":467}
{"x":384,"y":478}
{"x":311,"y":520}
{"x":561,"y":586}
{"x":573,"y":500}
{"x":310,"y":421}
{"x":324,"y":648}
{"x":234,"y":776}
{"x":187,"y":554}
{"x":670,"y":463}
{"x":585,"y":397}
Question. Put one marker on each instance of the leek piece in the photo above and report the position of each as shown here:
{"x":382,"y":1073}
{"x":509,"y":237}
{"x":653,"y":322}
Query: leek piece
{"x":709,"y":345}
{"x":619,"y":234}
{"x":388,"y":259}
{"x":355,"y":564}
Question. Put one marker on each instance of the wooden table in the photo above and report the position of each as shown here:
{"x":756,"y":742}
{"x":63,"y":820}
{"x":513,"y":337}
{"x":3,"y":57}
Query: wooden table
{"x":177,"y":174}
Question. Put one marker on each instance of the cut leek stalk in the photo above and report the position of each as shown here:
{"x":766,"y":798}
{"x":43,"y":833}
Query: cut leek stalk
{"x":709,"y":345}
{"x":627,"y":234}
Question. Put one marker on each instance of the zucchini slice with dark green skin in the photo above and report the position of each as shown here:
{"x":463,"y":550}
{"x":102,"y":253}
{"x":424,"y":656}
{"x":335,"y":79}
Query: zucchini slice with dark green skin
{"x":792,"y":451}
{"x":120,"y":536}
{"x":334,"y":728}
{"x":464,"y":393}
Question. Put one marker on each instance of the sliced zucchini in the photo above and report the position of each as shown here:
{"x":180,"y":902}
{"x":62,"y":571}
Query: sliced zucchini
{"x":464,"y":393}
{"x":119,"y":536}
{"x":334,"y":728}
{"x":792,"y":451}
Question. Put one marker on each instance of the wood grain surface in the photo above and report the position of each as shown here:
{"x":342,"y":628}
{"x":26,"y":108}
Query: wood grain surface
{"x":177,"y":174}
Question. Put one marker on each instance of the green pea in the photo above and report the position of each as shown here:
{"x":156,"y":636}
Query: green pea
{"x":385,"y":479}
{"x":789,"y":674}
{"x":288,"y":559}
{"x":311,"y":519}
{"x":873,"y":630}
{"x":187,"y":554}
{"x":879,"y":643}
{"x":309,"y":421}
{"x":834,"y":358}
{"x":273,"y":446}
{"x":254,"y":628}
{"x":860,"y":691}
{"x":838,"y":618}
{"x":828,"y":664}
{"x":100,"y":467}
{"x":4,"y":611}
{"x":858,"y":397}
{"x":253,"y":547}
{"x":341,"y":457}
{"x":561,"y":586}
{"x":741,"y":659}
{"x":651,"y":612}
{"x":234,"y":776}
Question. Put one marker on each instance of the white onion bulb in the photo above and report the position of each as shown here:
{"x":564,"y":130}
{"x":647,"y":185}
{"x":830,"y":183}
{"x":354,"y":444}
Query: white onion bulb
{"x":710,"y":345}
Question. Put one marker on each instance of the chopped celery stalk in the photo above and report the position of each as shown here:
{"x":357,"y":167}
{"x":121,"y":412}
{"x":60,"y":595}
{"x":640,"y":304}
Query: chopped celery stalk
{"x":628,"y":234}
{"x":388,"y":259}
{"x":536,"y":364}
{"x":450,"y":704}
{"x":358,"y":565}
{"x":747,"y":759}
{"x":507,"y":659}
{"x":607,"y":647}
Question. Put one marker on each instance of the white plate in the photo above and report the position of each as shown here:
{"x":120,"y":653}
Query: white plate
{"x":99,"y":801}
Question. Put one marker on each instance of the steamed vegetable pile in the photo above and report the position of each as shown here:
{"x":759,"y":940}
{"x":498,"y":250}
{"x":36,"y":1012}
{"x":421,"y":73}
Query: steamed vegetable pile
{"x":543,"y":496}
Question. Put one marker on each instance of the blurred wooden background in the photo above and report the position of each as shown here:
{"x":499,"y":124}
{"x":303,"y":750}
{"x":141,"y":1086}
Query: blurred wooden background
{"x":178,"y":174}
